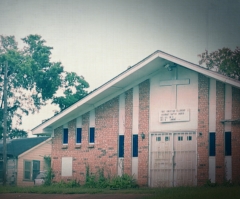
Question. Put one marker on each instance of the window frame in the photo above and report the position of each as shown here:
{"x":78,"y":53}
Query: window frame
{"x":91,"y":135}
{"x":35,"y":172}
{"x":121,"y":146}
{"x":32,"y":171}
{"x":29,"y":170}
{"x":228,"y":143}
{"x":79,"y":135}
{"x":67,"y":167}
{"x":212,"y":144}
{"x":65,"y":136}
{"x":135,"y":145}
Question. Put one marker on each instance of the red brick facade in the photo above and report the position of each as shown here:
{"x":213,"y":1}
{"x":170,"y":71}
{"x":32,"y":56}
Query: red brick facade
{"x":220,"y":153}
{"x":104,"y":153}
{"x":143,"y":148}
{"x":128,"y":132}
{"x":203,"y":132}
{"x":203,"y":126}
{"x":236,"y":135}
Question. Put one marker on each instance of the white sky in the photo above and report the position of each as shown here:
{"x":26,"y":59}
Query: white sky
{"x":99,"y":39}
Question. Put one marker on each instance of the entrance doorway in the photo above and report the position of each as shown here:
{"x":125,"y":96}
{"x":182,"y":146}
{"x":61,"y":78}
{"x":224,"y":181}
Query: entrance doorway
{"x":173,"y":159}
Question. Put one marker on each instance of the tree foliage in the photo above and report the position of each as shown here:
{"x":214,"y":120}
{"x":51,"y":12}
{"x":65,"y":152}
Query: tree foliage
{"x":33,"y":79}
{"x":73,"y":90}
{"x":224,"y":61}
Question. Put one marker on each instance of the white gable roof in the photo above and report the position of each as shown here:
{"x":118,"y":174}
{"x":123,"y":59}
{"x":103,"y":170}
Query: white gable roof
{"x":132,"y":76}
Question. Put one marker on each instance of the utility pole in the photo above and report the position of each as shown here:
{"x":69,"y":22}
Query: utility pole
{"x":5,"y":126}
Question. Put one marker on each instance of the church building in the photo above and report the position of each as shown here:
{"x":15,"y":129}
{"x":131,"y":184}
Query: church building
{"x":166,"y":121}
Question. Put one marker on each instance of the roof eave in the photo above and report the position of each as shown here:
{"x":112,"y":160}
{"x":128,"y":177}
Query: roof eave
{"x":42,"y":128}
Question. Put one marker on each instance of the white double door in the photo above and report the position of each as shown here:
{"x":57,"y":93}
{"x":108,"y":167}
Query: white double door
{"x":173,"y":159}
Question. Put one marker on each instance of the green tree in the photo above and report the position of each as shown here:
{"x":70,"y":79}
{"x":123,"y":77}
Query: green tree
{"x":224,"y":61}
{"x":33,"y":79}
{"x":73,"y":90}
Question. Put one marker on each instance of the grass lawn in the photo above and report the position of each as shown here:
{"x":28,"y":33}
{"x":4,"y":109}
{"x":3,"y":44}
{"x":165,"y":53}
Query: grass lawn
{"x":219,"y":192}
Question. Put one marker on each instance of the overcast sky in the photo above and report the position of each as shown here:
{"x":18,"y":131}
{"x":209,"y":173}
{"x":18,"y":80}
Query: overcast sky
{"x":99,"y":39}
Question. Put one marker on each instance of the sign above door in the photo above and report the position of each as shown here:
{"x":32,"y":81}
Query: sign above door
{"x":174,"y":115}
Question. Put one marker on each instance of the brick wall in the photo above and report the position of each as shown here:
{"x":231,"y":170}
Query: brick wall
{"x":143,"y":148}
{"x":220,"y":154}
{"x":235,"y":135}
{"x":104,"y":152}
{"x":56,"y":153}
{"x":128,"y":132}
{"x":203,"y":127}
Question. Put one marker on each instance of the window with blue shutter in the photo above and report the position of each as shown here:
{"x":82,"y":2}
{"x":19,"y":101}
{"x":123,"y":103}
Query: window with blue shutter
{"x":135,"y":146}
{"x":31,"y":168}
{"x":121,"y":146}
{"x":79,"y":135}
{"x":91,"y":135}
{"x":65,"y":136}
{"x":228,"y":144}
{"x":27,"y":169}
{"x":212,"y":144}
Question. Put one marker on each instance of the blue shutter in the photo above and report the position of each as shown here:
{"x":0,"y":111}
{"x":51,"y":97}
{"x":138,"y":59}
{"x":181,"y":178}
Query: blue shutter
{"x":212,"y":144}
{"x":36,"y":169}
{"x":79,"y":135}
{"x":121,"y":146}
{"x":65,"y":136}
{"x":135,"y":146}
{"x":91,"y":134}
{"x":228,"y":144}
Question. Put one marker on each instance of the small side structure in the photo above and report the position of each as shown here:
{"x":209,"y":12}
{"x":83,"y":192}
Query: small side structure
{"x":25,"y":159}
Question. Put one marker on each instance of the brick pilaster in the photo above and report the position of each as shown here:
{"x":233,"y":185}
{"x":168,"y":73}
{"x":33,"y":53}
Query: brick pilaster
{"x":203,"y":128}
{"x":220,"y":108}
{"x":128,"y":132}
{"x":143,"y":145}
{"x":235,"y":135}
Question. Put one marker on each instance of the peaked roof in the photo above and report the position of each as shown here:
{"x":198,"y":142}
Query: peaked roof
{"x":16,"y":147}
{"x":132,"y":76}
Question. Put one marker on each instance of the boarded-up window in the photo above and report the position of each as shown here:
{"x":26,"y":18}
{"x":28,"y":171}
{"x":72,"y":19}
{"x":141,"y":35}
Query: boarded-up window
{"x":66,"y":166}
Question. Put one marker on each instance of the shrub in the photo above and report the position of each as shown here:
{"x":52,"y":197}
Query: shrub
{"x":100,"y":181}
{"x":123,"y":182}
{"x":49,"y":177}
{"x":70,"y":184}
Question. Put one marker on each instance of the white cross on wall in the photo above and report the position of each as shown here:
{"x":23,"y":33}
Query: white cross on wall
{"x":174,"y":83}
